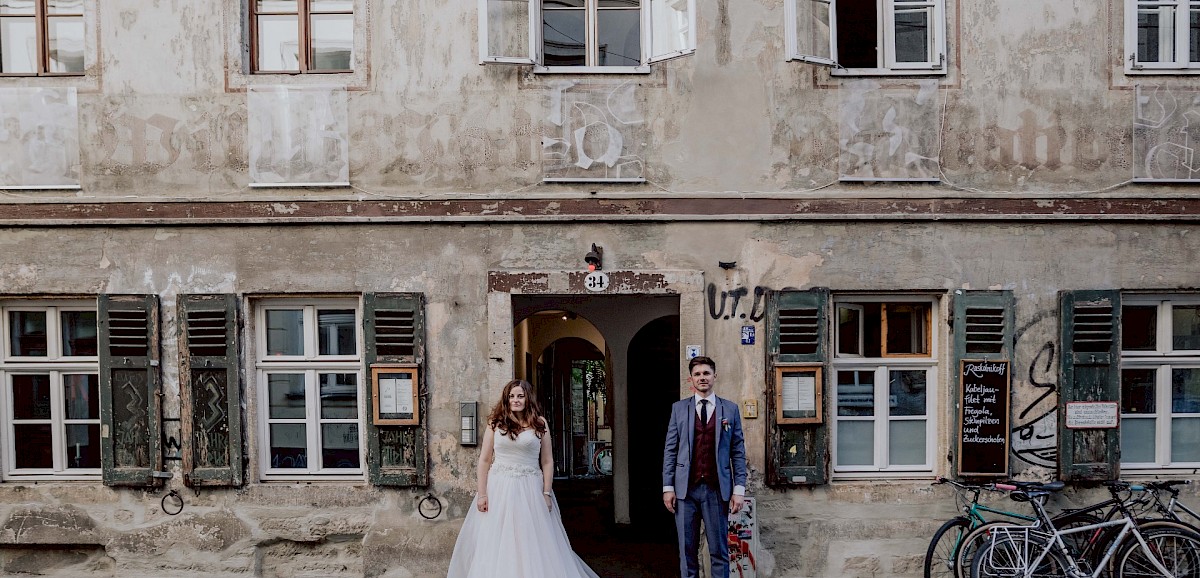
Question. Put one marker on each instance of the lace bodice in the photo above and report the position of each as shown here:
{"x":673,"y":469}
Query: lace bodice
{"x":517,"y":457}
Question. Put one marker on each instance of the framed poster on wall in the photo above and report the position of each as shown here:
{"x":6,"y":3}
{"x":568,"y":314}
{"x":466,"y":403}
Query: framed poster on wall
{"x":394,"y":394}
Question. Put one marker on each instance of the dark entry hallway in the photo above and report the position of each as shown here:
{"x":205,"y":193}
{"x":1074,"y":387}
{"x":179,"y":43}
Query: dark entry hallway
{"x":612,"y":550}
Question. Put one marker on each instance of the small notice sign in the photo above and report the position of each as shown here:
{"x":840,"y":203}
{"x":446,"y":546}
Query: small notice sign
{"x":1092,"y":414}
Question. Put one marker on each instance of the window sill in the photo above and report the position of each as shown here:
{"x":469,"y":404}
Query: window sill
{"x":1176,"y":71}
{"x":852,"y":72}
{"x":33,"y":478}
{"x":340,"y":479}
{"x":877,"y":475}
{"x":539,"y":69}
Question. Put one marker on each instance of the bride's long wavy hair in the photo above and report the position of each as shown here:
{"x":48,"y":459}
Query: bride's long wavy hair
{"x":510,"y":424}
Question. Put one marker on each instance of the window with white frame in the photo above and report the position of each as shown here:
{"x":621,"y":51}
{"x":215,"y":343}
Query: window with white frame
{"x":1162,"y":36}
{"x":586,"y":35}
{"x":309,"y":388}
{"x":865,"y":37}
{"x":1160,"y":383}
{"x":51,"y":400}
{"x":885,"y":379}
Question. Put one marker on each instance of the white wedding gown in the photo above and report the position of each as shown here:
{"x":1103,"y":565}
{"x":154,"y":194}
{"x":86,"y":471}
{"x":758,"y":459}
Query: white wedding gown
{"x":517,"y":537}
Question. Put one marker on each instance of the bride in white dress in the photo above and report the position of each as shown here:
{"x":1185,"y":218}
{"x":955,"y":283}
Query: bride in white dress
{"x":514,"y":528}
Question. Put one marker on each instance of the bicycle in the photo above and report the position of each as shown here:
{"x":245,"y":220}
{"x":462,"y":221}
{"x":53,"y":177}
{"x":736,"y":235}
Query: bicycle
{"x":942,"y":555}
{"x":1167,"y":549}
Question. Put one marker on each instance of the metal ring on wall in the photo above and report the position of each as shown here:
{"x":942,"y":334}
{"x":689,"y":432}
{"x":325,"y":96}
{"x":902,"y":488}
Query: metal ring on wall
{"x":434,"y":504}
{"x":178,"y":498}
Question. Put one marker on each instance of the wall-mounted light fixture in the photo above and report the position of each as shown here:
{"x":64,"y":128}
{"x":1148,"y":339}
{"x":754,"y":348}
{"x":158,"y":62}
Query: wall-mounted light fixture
{"x":594,"y":258}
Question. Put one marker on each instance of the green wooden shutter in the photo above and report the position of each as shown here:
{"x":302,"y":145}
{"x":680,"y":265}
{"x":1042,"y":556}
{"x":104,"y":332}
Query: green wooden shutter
{"x":210,"y":390}
{"x":983,"y":329}
{"x":395,"y":333}
{"x":130,"y":414}
{"x":1089,"y":371}
{"x":797,"y":454}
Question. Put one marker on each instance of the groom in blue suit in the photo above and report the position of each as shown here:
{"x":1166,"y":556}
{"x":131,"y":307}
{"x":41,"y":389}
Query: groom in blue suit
{"x":704,"y":469}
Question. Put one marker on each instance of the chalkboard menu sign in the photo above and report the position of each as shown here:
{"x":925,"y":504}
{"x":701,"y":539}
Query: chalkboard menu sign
{"x":983,"y":434}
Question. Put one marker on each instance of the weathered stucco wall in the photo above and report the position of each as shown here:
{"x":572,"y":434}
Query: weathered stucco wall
{"x":846,"y":528}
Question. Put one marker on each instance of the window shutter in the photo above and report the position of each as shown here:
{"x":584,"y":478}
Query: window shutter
{"x":811,"y":31}
{"x":670,"y":29}
{"x":797,"y":454}
{"x":983,"y":329}
{"x":130,"y":414}
{"x":210,"y":390}
{"x":1089,"y":371}
{"x":508,"y":31}
{"x":395,"y":333}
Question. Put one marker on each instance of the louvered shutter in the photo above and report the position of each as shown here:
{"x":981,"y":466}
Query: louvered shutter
{"x":395,"y":333}
{"x":1089,"y":371}
{"x":210,"y":390}
{"x":983,"y":330}
{"x":130,"y":415}
{"x":797,"y":454}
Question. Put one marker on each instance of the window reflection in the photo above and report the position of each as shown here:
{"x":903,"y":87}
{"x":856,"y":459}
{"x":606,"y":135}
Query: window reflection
{"x":336,"y":331}
{"x":285,"y":332}
{"x":286,"y":394}
{"x":332,"y":42}
{"x":339,"y":395}
{"x":31,"y":396}
{"x":27,"y":333}
{"x":339,"y":445}
{"x":78,"y":333}
{"x":65,"y":46}
{"x":278,"y":43}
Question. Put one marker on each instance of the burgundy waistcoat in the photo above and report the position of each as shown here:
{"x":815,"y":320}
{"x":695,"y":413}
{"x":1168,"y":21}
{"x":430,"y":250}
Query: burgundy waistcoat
{"x":704,"y":450}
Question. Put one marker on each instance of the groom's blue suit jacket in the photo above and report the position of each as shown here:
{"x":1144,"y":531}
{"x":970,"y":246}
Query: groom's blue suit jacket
{"x":731,"y":446}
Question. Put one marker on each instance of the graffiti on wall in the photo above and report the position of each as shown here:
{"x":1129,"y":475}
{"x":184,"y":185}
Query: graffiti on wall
{"x":39,"y":137}
{"x":299,"y":135}
{"x":1035,"y":430}
{"x":733,"y":297}
{"x":594,"y":132}
{"x":890,"y":133}
{"x":1166,"y":132}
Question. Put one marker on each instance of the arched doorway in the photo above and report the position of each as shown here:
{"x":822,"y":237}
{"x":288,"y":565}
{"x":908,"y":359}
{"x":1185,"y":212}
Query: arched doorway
{"x":654,"y":380}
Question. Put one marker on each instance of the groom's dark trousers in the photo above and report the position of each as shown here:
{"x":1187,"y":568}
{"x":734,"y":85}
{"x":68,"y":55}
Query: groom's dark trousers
{"x":703,"y":502}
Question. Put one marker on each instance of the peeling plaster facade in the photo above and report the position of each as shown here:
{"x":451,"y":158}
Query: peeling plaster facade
{"x":1032,"y":136}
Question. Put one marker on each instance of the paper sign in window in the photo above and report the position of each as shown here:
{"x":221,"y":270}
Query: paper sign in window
{"x":396,"y":390}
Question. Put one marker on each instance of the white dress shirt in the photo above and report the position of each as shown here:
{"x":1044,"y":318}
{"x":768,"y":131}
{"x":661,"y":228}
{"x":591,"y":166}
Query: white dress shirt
{"x":712,"y":414}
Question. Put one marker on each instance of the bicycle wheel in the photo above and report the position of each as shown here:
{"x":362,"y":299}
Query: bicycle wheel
{"x":1011,"y":556}
{"x":1085,"y":547}
{"x":940,"y":557}
{"x":970,"y":545}
{"x":1175,"y":549}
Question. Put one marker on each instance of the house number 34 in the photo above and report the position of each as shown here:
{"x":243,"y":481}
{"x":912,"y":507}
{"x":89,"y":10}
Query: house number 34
{"x":596,"y":281}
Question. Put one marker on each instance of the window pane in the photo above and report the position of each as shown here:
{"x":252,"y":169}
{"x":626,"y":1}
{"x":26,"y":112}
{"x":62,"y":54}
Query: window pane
{"x":27,"y":333}
{"x":563,"y":38}
{"x":65,"y":44}
{"x":907,"y":390}
{"x":286,"y":394}
{"x":31,"y":396}
{"x":1137,"y":391}
{"x":849,"y":331}
{"x":620,"y":36}
{"x":339,"y":395}
{"x":18,"y":46}
{"x":289,"y":445}
{"x":285,"y":332}
{"x":276,"y":6}
{"x":331,"y":5}
{"x":83,"y":445}
{"x":1185,"y":390}
{"x":336,"y":332}
{"x":856,"y":393}
{"x":857,"y":33}
{"x":1185,"y":327}
{"x":552,"y":4}
{"x":81,"y":396}
{"x":1139,"y":327}
{"x":17,"y":7}
{"x":36,"y":447}
{"x":1137,"y":440}
{"x":1194,"y":36}
{"x":78,"y":333}
{"x":339,"y":445}
{"x":64,"y":7}
{"x":1156,"y":34}
{"x":912,"y":35}
{"x":906,"y":443}
{"x":856,"y":443}
{"x":278,"y":43}
{"x":906,"y":329}
{"x":1185,"y":439}
{"x":332,"y":42}
{"x":618,"y":3}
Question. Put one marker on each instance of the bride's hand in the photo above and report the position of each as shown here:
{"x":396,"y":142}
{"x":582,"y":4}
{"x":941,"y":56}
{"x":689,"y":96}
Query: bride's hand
{"x":481,"y":503}
{"x":549,"y":503}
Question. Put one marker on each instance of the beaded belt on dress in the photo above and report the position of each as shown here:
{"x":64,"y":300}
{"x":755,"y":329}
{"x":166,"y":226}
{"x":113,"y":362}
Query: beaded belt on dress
{"x":515,"y":470}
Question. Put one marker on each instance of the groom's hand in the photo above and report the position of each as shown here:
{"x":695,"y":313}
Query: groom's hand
{"x":669,"y":501}
{"x":735,"y":503}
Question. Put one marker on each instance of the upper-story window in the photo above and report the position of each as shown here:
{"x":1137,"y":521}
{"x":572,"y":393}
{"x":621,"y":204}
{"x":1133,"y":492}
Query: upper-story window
{"x":51,"y":398}
{"x":586,"y":35}
{"x":1160,"y":383}
{"x":302,"y":36}
{"x":310,"y":387}
{"x":869,"y":37}
{"x":1162,"y":35}
{"x":885,"y":380}
{"x":42,"y":37}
